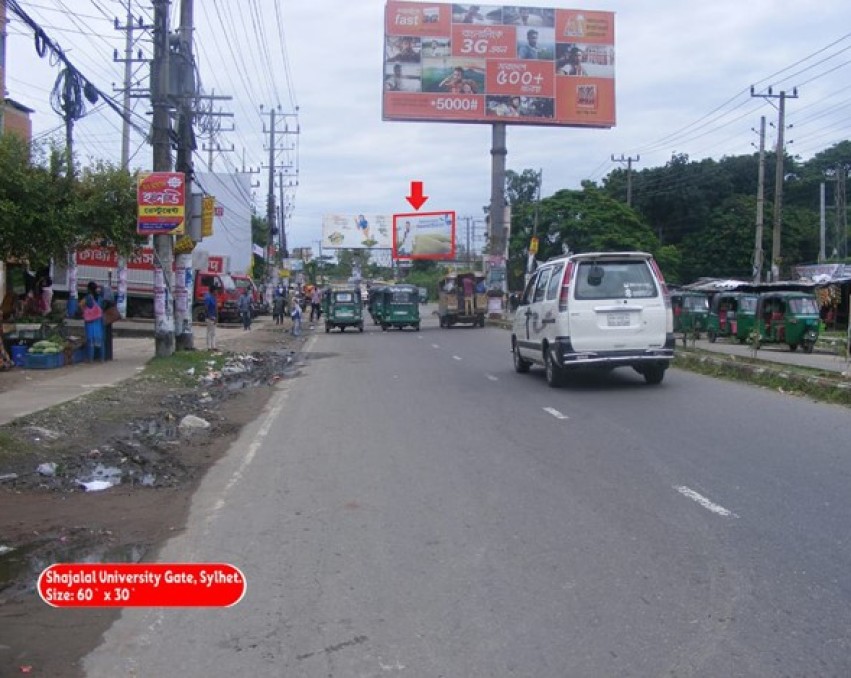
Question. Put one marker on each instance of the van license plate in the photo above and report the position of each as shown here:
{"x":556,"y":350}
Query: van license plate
{"x":617,"y":319}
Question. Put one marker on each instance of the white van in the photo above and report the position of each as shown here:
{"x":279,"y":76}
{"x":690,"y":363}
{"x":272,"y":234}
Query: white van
{"x":600,"y":309}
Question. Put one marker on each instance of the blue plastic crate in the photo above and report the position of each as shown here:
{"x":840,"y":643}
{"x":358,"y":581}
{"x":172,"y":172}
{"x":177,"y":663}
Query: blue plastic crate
{"x":44,"y":361}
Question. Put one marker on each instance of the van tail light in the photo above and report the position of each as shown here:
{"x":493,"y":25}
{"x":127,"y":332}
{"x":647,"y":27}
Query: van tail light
{"x":564,"y":294}
{"x":666,"y":295}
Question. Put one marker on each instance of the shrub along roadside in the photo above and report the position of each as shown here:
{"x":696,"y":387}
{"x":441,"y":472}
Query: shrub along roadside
{"x":830,"y":387}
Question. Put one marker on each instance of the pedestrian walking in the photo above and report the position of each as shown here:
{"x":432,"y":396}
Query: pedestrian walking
{"x":244,"y":308}
{"x":211,"y":312}
{"x":93,"y":317}
{"x":278,"y":304}
{"x":295,"y":313}
{"x":315,"y":304}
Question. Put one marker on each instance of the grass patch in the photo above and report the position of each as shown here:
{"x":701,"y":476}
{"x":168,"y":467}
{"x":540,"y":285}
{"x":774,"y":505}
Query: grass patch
{"x":9,"y":445}
{"x":183,"y":368}
{"x":829,"y":387}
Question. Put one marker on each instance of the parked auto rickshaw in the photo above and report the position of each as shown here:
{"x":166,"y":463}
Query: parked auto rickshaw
{"x":691,"y":312}
{"x":731,"y":314}
{"x":790,"y":318}
{"x":456,"y":308}
{"x":398,"y":306}
{"x":342,"y":308}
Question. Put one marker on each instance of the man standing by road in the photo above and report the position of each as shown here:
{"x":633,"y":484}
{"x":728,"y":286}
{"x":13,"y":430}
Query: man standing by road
{"x":244,"y":307}
{"x":211,"y":312}
{"x":315,"y":304}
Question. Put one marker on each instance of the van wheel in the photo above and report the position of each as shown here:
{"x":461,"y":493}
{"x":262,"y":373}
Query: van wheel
{"x":198,"y":314}
{"x":521,"y":366}
{"x":553,"y":371}
{"x":654,"y":374}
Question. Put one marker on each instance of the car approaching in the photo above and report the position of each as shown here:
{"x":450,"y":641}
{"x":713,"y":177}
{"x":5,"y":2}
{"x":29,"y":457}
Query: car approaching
{"x":597,"y":310}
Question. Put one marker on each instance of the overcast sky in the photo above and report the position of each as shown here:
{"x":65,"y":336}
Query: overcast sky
{"x":683,"y":73}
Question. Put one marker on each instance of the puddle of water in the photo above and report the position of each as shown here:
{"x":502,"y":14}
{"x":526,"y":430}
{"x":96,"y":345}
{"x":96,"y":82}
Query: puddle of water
{"x":25,"y":563}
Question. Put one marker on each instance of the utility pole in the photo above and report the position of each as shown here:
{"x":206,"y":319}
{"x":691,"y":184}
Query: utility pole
{"x":778,"y":177}
{"x":271,"y":211}
{"x":822,"y":222}
{"x":185,"y":91}
{"x":760,"y":204}
{"x":161,"y":142}
{"x":2,"y":89}
{"x":841,"y":228}
{"x":129,"y":28}
{"x":628,"y":162}
{"x":270,"y":198}
{"x":209,"y":124}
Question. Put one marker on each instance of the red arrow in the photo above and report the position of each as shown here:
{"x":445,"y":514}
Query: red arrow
{"x":417,"y":199}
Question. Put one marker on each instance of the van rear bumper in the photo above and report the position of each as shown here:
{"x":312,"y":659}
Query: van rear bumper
{"x":567,"y":356}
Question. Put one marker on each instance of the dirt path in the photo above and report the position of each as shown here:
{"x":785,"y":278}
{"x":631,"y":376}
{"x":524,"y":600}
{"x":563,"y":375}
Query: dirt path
{"x":130,"y":429}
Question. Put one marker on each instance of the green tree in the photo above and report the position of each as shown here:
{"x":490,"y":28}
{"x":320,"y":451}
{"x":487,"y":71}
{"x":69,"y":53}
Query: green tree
{"x":578,"y":221}
{"x":104,"y":207}
{"x":34,"y":199}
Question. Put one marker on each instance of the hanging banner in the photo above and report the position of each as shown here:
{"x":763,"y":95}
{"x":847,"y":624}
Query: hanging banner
{"x":208,"y":209}
{"x":161,"y":200}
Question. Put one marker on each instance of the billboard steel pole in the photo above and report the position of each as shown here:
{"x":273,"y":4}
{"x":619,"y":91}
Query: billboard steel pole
{"x":497,"y":207}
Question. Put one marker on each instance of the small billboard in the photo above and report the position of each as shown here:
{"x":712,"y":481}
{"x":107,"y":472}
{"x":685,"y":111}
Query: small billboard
{"x":424,"y":235}
{"x":356,"y":231}
{"x":463,"y":62}
{"x":161,"y":199}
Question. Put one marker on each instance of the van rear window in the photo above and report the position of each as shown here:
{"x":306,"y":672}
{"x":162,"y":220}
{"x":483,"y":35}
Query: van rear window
{"x":615,"y":280}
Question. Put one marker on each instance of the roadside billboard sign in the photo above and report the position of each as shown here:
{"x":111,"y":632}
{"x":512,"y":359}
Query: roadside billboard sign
{"x":161,"y":198}
{"x":356,"y":231}
{"x":454,"y":62}
{"x":424,"y":235}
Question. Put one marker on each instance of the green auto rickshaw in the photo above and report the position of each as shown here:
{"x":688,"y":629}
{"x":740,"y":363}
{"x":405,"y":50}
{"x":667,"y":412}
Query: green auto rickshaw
{"x":375,"y":303}
{"x":342,"y":308}
{"x":691,"y":312}
{"x":399,"y":306}
{"x":790,"y":318}
{"x":731,"y":314}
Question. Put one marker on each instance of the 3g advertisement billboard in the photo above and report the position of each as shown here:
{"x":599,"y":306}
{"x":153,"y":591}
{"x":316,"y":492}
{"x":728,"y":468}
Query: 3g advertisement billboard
{"x":498,"y":63}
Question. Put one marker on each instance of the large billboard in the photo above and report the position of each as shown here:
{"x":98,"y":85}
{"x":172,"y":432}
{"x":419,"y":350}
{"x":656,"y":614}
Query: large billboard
{"x":424,"y":235}
{"x":498,"y":63}
{"x":357,"y":231}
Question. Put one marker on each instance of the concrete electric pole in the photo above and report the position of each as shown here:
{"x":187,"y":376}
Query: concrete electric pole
{"x":163,"y":244}
{"x":758,"y":254}
{"x":628,"y":162}
{"x":776,"y":257}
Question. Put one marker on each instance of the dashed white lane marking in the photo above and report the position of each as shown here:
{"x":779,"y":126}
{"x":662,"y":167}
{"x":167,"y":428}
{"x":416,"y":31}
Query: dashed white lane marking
{"x":456,"y":357}
{"x":704,"y":502}
{"x":491,"y":377}
{"x":553,"y":411}
{"x":435,"y":346}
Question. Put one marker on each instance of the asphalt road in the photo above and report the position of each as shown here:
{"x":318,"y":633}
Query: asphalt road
{"x":410,"y":506}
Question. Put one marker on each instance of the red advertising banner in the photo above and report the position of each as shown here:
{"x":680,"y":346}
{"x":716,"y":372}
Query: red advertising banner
{"x":161,"y":198}
{"x":141,"y":585}
{"x":464,"y":62}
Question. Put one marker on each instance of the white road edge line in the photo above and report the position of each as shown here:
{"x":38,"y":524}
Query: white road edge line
{"x":553,"y":411}
{"x":492,"y":377}
{"x":704,"y":502}
{"x":456,"y":357}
